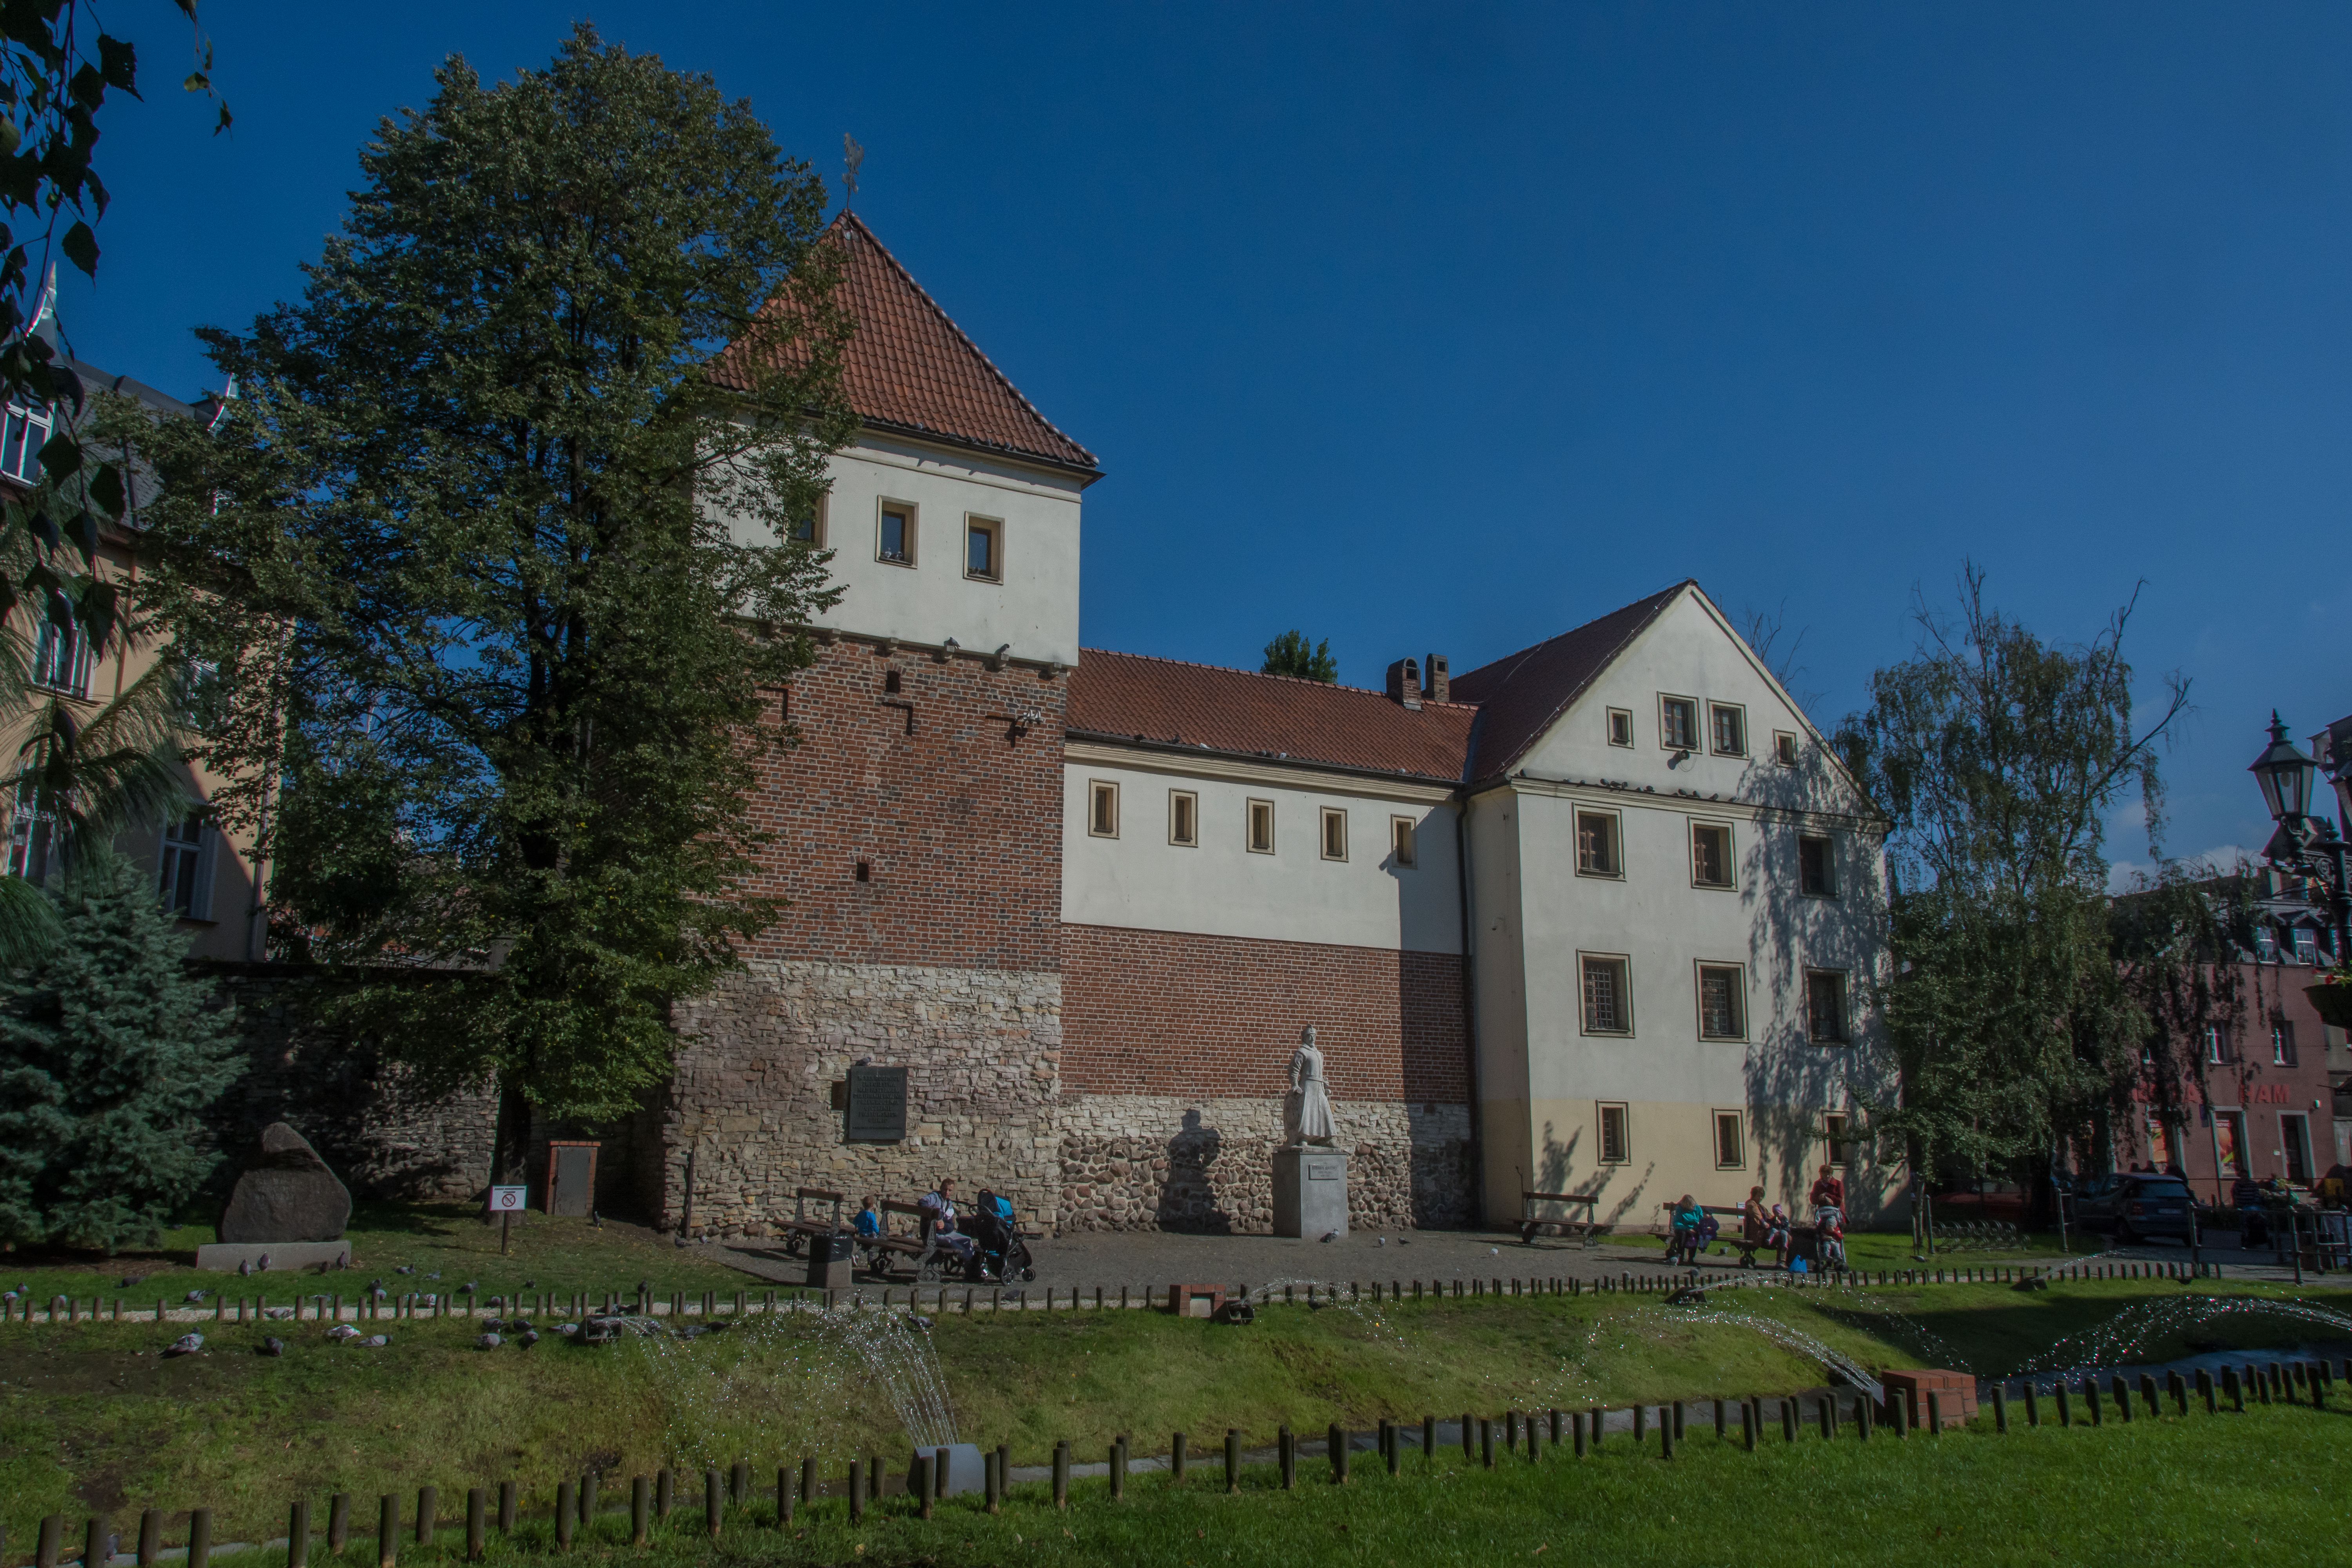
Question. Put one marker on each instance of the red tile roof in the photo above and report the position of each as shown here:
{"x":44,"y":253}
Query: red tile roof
{"x":1133,"y":696}
{"x":910,"y":368}
{"x":1521,"y":695}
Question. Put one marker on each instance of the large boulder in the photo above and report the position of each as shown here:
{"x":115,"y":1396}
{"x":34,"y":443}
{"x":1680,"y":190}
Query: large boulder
{"x":288,"y":1196}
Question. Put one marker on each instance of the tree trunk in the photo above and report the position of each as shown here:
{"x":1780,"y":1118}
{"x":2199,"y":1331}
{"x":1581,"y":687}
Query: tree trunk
{"x":511,"y":1139}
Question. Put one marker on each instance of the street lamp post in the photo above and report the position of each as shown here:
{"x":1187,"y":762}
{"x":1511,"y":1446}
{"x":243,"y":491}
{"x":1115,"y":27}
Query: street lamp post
{"x":2306,"y":843}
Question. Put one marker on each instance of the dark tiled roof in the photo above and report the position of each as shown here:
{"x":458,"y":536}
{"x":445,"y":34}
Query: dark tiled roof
{"x":1521,"y":695}
{"x":908,"y":367}
{"x":1131,"y":697}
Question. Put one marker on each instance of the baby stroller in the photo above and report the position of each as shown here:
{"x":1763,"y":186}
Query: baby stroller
{"x":1000,"y":1255}
{"x":1830,"y":1227}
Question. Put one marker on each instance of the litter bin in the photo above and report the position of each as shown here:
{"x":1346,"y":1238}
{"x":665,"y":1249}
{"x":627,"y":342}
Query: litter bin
{"x":830,"y":1258}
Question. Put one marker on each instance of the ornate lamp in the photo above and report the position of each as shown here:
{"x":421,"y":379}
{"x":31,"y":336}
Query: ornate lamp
{"x":2286,"y":775}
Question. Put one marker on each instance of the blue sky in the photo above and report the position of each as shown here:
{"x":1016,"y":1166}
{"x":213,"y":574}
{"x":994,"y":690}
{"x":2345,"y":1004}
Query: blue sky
{"x":1447,"y":328}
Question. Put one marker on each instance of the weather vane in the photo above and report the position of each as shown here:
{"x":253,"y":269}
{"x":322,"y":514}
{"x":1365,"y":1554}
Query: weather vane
{"x":852,"y":154}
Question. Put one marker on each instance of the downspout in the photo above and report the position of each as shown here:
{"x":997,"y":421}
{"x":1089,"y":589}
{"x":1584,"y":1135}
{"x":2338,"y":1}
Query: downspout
{"x":1470,"y":1002}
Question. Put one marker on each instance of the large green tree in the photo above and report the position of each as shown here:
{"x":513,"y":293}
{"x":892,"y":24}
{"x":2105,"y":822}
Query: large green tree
{"x":111,"y":1053}
{"x":494,"y":556}
{"x":1999,"y":758}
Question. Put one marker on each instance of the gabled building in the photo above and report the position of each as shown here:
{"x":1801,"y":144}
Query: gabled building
{"x":1604,"y":916}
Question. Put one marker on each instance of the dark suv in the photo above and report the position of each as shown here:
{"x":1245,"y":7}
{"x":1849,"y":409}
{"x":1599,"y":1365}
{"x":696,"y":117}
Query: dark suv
{"x":2134,"y":1207}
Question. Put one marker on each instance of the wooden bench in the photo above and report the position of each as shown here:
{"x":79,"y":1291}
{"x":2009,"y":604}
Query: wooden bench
{"x":800,"y":1226}
{"x":880,"y":1250}
{"x":1729,"y":1234}
{"x":1530,"y":1222}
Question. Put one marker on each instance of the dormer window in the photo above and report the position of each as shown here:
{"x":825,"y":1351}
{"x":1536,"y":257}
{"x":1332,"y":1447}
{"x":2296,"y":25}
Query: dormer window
{"x":894,"y":540}
{"x":21,"y":440}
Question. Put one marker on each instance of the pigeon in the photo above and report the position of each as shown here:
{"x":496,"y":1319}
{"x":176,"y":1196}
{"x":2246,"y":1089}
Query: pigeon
{"x":342,"y":1331}
{"x":530,"y":1284}
{"x":528,"y":1338}
{"x":469,"y":1286}
{"x":280,"y":1313}
{"x":692,"y":1331}
{"x":1330,"y":1236}
{"x":434,"y":1275}
{"x":381,"y":1293}
{"x":195,"y":1295}
{"x":263,"y":1265}
{"x":567,"y":1329}
{"x":1493,"y":1252}
{"x":643,"y":1287}
{"x":376,"y":1341}
{"x":922,"y":1322}
{"x":244,"y":1268}
{"x":129,"y":1281}
{"x":186,"y":1345}
{"x":405,"y":1269}
{"x":1382,"y":1242}
{"x":273,"y":1345}
{"x":489,"y":1341}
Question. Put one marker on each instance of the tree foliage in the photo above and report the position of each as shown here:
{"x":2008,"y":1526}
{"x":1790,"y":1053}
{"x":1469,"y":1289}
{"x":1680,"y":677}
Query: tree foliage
{"x":497,"y":564}
{"x":112,"y":1054}
{"x":1290,"y":653}
{"x":1998,"y":758}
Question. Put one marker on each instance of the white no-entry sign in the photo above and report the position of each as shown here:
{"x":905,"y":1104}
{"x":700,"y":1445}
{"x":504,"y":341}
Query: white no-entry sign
{"x":508,"y":1200}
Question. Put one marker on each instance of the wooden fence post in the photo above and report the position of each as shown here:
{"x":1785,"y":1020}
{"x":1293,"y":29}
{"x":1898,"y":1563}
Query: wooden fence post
{"x":387,"y":1531}
{"x":428,"y":1512}
{"x":1061,"y":1475}
{"x":339,"y":1524}
{"x":641,"y":1509}
{"x":567,"y":1514}
{"x":509,"y":1507}
{"x":298,"y":1534}
{"x":1233,"y":1460}
{"x":2001,"y":1408}
{"x":478,"y":1523}
{"x":150,"y":1536}
{"x":1337,"y":1443}
{"x":714,"y":1502}
{"x":1176,"y":1459}
{"x":783,"y":1496}
{"x":856,"y":1490}
{"x":200,"y":1538}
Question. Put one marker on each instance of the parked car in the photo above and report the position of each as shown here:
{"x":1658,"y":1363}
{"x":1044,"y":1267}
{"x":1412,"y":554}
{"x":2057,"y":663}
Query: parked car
{"x":2134,"y":1207}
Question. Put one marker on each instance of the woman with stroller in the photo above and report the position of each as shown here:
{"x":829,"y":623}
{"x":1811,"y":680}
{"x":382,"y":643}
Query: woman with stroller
{"x":1828,"y":1198}
{"x":940,"y":1224}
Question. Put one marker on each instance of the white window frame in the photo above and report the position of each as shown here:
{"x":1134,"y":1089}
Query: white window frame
{"x":1739,"y":973}
{"x":1738,"y":717}
{"x":1249,"y":826}
{"x":60,"y":625}
{"x":1739,"y":1121}
{"x":1098,"y":791}
{"x":175,"y":851}
{"x":976,"y":522}
{"x":26,"y":465}
{"x":1620,"y":727}
{"x":913,"y":534}
{"x":1332,"y":816}
{"x":1730,"y":882}
{"x":1192,"y":808}
{"x":1784,"y":747}
{"x":1625,"y":963}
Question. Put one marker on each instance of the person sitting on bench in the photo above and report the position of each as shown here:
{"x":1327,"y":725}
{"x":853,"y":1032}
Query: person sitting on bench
{"x":1682,"y":1240}
{"x":939,"y":1220}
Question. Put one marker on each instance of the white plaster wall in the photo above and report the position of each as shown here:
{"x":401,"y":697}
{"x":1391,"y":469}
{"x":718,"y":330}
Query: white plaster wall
{"x":1034,"y":608}
{"x":1219,"y":888}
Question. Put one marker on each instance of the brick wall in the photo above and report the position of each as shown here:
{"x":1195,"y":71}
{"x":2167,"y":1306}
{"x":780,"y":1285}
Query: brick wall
{"x":959,"y":822}
{"x":1166,"y":1013}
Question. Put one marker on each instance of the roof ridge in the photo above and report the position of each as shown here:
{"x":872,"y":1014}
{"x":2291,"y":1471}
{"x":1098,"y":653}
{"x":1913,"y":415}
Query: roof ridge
{"x":1520,"y":654}
{"x":1259,"y":675}
{"x":848,"y":217}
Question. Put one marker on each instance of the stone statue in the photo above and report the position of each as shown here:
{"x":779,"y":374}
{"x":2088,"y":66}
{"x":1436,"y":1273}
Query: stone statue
{"x":1307,"y":1109}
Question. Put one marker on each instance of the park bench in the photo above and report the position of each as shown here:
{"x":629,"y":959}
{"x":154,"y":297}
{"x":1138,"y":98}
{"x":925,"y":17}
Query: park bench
{"x":1531,"y":1222}
{"x":928,"y":1259}
{"x":800,"y":1227}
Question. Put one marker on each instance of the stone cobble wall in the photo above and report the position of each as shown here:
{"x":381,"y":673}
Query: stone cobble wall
{"x":1133,"y":1161}
{"x":759,"y":1058}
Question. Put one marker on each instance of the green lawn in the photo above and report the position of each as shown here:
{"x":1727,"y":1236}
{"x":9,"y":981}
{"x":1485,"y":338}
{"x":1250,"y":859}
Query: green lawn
{"x":2193,"y":1490}
{"x":92,"y":1418}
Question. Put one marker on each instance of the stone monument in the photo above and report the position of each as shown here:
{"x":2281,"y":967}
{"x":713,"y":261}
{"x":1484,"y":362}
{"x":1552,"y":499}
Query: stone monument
{"x":1311,"y":1175}
{"x":288,"y":1212}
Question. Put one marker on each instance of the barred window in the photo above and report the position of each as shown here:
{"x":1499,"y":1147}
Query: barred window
{"x":1825,"y":1006}
{"x":1722,"y":1013}
{"x":1607,"y":1004}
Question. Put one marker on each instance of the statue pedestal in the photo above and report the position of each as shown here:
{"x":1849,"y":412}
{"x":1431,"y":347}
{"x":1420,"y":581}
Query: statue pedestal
{"x":1310,"y":1191}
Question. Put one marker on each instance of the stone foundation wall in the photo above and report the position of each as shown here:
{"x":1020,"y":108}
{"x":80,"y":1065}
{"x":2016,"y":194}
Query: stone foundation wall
{"x":1161,"y":1163}
{"x":759,"y":1056}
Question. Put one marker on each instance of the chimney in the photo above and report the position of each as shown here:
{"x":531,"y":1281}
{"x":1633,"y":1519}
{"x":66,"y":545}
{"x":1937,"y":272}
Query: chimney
{"x":1439,"y":688}
{"x":1404,"y":683}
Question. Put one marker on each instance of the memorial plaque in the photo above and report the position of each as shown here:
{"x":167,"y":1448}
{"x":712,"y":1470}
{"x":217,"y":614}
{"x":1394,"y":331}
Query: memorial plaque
{"x":1324,"y":1171}
{"x":878,"y":1105}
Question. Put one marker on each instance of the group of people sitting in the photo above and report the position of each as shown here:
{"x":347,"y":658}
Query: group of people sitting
{"x":1693,"y":1230}
{"x":937,"y":1226}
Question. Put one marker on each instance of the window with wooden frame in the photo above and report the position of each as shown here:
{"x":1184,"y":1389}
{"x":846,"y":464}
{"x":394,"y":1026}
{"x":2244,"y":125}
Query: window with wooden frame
{"x":1400,"y":833}
{"x":984,"y":549}
{"x":1608,"y":994}
{"x":1621,"y":726}
{"x":1335,"y":833}
{"x":1678,"y":724}
{"x":1616,"y":1144}
{"x":1722,"y":1002}
{"x":809,"y":529}
{"x":1261,"y":828}
{"x":1816,"y":867}
{"x":894,"y":533}
{"x":1596,"y":844}
{"x":1835,"y":1138}
{"x":1727,"y":729}
{"x":2218,"y":1049}
{"x":1183,"y":818}
{"x":183,"y":867}
{"x":1731,"y":1142}
{"x":1710,"y":855}
{"x":1825,"y":1022}
{"x":1784,"y":748}
{"x":1102,"y":808}
{"x":2283,"y":1043}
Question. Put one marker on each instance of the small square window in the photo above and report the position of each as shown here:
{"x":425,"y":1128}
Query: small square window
{"x":1816,"y":868}
{"x":983,"y":550}
{"x":1616,"y":1148}
{"x":1596,"y":844}
{"x":1836,"y":1137}
{"x":1825,"y":1006}
{"x":1722,"y":1002}
{"x":1784,"y":748}
{"x":1102,"y":809}
{"x":1621,"y":726}
{"x":1727,"y":728}
{"x":1710,"y":855}
{"x":1334,"y":834}
{"x":1261,"y":828}
{"x":1678,"y":724}
{"x":1183,"y":818}
{"x":1730,"y":1147}
{"x":1401,"y":839}
{"x":1607,"y":998}
{"x":894,"y":539}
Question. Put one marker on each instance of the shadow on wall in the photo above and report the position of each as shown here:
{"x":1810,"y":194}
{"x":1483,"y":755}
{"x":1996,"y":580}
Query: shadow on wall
{"x":1188,"y":1200}
{"x":1620,"y":1191}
